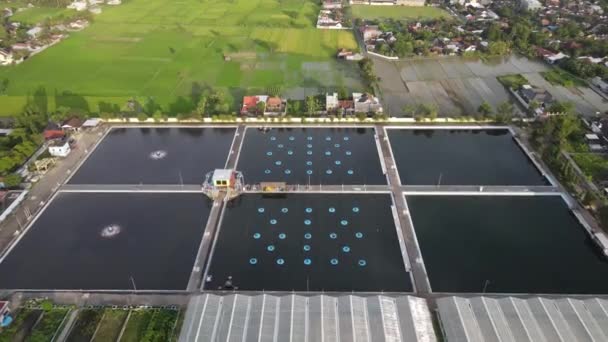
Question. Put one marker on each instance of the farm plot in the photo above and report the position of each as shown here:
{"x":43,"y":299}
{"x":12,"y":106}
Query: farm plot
{"x":457,"y":86}
{"x":586,"y":101}
{"x":160,"y":48}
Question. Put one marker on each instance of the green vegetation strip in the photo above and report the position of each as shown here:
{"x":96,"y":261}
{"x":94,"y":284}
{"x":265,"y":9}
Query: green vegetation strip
{"x":594,"y":166}
{"x":512,"y":81}
{"x":151,"y":326}
{"x":563,"y":78}
{"x":85,"y":325}
{"x":110,"y":325}
{"x":47,"y":327}
{"x":22,"y":317}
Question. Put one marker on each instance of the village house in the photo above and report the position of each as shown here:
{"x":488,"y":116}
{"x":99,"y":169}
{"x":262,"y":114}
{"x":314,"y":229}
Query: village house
{"x":532,"y":94}
{"x":600,"y":83}
{"x":21,"y":46}
{"x":34,"y":32}
{"x":72,"y":125}
{"x":53,"y":131}
{"x":78,"y":5}
{"x":250,"y":104}
{"x":6,"y":57}
{"x":330,"y":19}
{"x":346,"y":107}
{"x":549,"y":56}
{"x":275,"y":106}
{"x":332,"y":4}
{"x":530,"y":5}
{"x":366,"y":103}
{"x":78,"y":24}
{"x":60,"y":148}
{"x":331,"y":101}
{"x":369,"y":32}
{"x":388,"y":2}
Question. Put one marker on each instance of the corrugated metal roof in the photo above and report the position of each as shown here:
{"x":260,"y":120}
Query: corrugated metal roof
{"x":326,"y":318}
{"x":516,"y":319}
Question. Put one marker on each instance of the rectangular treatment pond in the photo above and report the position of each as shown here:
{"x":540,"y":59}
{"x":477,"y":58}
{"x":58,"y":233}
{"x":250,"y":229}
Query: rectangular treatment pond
{"x":309,"y":242}
{"x":300,"y":155}
{"x":506,"y":244}
{"x":461,"y":157}
{"x":156,"y":156}
{"x":154,"y":241}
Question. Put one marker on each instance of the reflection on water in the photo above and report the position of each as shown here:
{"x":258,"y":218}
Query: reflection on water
{"x":110,"y":231}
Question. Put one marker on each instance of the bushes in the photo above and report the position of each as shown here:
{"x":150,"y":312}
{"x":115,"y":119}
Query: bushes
{"x":512,"y":81}
{"x":150,"y":326}
{"x":560,"y":77}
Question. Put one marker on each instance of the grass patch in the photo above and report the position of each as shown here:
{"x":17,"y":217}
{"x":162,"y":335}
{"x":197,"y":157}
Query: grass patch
{"x":158,"y":48}
{"x":23,"y":320}
{"x":560,"y":77}
{"x":594,"y":166}
{"x":151,"y":325}
{"x":512,"y":81}
{"x":110,"y":325}
{"x":136,"y":325}
{"x":46,"y":328}
{"x":85,"y":325}
{"x":399,"y":12}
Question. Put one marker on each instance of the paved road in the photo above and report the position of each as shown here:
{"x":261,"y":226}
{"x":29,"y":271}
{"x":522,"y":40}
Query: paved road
{"x":466,"y":189}
{"x":67,"y":328}
{"x":131,"y":188}
{"x":42,"y":191}
{"x":239,"y":136}
{"x":204,"y":249}
{"x":420,"y":277}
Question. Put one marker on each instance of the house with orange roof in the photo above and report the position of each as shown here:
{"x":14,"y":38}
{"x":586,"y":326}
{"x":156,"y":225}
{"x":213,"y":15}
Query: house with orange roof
{"x":250,"y":104}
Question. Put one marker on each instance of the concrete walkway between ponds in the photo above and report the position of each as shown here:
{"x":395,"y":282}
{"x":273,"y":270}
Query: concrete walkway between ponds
{"x":67,"y":328}
{"x":420,"y":278}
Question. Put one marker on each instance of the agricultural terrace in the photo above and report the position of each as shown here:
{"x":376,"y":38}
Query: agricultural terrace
{"x":398,"y":12}
{"x":159,"y":48}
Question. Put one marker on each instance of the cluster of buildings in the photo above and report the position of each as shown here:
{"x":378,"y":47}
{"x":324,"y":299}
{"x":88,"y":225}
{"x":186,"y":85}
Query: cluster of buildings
{"x":534,"y":95}
{"x":92,"y":5}
{"x":264,"y":105}
{"x":474,"y":10}
{"x":348,"y":55}
{"x":388,"y":2}
{"x":57,"y":135}
{"x":37,"y":38}
{"x":273,"y":106}
{"x":465,"y":40}
{"x":331,"y":19}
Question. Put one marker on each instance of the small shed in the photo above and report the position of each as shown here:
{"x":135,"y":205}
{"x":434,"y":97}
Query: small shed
{"x":223,"y":178}
{"x":60,"y":148}
{"x":90,"y":123}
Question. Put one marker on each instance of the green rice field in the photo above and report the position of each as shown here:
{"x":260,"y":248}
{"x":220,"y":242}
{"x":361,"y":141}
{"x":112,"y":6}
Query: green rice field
{"x":398,"y":12}
{"x":158,"y":48}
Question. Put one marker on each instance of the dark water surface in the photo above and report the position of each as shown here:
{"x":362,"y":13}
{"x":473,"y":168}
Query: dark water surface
{"x":316,"y":155}
{"x":461,"y":157}
{"x":519,"y":244}
{"x":159,"y":238}
{"x":126,"y":156}
{"x":364,"y":249}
